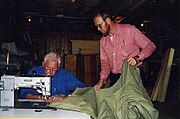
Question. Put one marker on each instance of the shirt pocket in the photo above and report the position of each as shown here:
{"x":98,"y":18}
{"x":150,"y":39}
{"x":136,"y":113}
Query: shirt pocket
{"x":128,"y":49}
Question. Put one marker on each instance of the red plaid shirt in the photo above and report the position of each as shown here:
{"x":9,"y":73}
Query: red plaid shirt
{"x":126,"y":42}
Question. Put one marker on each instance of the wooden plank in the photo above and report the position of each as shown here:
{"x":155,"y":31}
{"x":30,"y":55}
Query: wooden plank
{"x":160,"y":88}
{"x":166,"y":73}
{"x":158,"y":84}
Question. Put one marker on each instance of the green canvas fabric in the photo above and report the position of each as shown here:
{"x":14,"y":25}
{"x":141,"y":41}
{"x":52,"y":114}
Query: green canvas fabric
{"x":127,"y":99}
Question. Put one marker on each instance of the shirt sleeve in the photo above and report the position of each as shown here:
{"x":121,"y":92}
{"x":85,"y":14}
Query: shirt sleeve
{"x":104,"y":62}
{"x":30,"y":72}
{"x":143,"y":42}
{"x":74,"y":83}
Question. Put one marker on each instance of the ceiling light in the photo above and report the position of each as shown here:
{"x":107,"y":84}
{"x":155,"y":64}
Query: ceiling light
{"x":29,"y":18}
{"x":73,"y":0}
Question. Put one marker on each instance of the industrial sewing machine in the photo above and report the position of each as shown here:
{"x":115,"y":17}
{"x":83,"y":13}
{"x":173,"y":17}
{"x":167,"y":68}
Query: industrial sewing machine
{"x":10,"y":87}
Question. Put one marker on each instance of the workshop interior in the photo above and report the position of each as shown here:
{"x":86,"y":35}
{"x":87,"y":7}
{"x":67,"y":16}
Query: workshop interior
{"x":29,"y":29}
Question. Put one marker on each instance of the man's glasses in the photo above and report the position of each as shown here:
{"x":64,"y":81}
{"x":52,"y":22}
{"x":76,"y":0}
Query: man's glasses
{"x":50,"y":69}
{"x":99,"y":25}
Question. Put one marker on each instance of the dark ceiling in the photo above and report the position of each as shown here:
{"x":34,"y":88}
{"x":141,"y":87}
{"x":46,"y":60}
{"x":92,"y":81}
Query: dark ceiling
{"x":67,"y":11}
{"x":75,"y":15}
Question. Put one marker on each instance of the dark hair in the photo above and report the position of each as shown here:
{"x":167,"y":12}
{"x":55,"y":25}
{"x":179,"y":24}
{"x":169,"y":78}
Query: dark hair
{"x":103,"y":14}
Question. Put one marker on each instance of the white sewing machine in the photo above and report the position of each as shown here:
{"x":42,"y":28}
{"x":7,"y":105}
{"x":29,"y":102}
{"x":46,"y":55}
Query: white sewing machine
{"x":9,"y":86}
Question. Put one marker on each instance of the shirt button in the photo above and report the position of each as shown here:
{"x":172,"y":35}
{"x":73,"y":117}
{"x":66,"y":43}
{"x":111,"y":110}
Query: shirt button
{"x":114,"y":53}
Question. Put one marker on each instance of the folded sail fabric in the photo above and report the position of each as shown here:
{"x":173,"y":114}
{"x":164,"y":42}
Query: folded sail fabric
{"x":127,"y":99}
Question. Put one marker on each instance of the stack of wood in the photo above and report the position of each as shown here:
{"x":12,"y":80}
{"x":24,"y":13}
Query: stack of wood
{"x":160,"y":88}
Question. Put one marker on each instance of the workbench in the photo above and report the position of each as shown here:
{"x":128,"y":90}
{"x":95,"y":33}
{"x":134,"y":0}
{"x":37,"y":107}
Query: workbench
{"x":12,"y":113}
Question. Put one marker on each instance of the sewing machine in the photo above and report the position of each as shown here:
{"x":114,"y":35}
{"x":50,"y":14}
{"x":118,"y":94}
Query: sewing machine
{"x":10,"y":87}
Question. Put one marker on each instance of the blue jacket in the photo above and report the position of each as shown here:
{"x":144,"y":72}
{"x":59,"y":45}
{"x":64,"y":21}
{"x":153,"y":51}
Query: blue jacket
{"x":63,"y":82}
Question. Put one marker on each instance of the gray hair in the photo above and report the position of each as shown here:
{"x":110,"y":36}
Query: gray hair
{"x":52,"y":56}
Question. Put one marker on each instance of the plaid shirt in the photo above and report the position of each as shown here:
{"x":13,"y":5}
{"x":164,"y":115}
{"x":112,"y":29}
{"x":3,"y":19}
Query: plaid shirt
{"x":126,"y":42}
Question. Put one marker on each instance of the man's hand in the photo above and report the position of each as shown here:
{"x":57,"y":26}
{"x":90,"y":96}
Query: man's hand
{"x":132,"y":61}
{"x":99,"y":85}
{"x":56,"y":99}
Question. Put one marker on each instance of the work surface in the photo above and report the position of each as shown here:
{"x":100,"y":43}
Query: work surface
{"x":44,"y":113}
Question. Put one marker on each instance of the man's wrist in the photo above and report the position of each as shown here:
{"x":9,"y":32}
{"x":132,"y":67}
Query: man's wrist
{"x":103,"y":81}
{"x":138,"y":59}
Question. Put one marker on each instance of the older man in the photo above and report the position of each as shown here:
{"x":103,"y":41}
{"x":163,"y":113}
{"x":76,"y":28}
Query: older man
{"x":63,"y":82}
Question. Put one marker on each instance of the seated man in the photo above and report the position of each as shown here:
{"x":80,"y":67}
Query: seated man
{"x":62,"y":81}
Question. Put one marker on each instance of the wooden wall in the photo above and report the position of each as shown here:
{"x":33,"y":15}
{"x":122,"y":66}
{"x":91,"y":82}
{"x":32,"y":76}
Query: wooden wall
{"x":84,"y":66}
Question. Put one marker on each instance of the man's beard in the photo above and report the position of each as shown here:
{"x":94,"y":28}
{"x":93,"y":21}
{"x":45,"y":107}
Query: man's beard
{"x":106,"y":33}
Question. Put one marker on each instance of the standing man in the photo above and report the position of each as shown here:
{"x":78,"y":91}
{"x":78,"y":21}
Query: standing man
{"x":63,"y":82}
{"x":119,"y":42}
